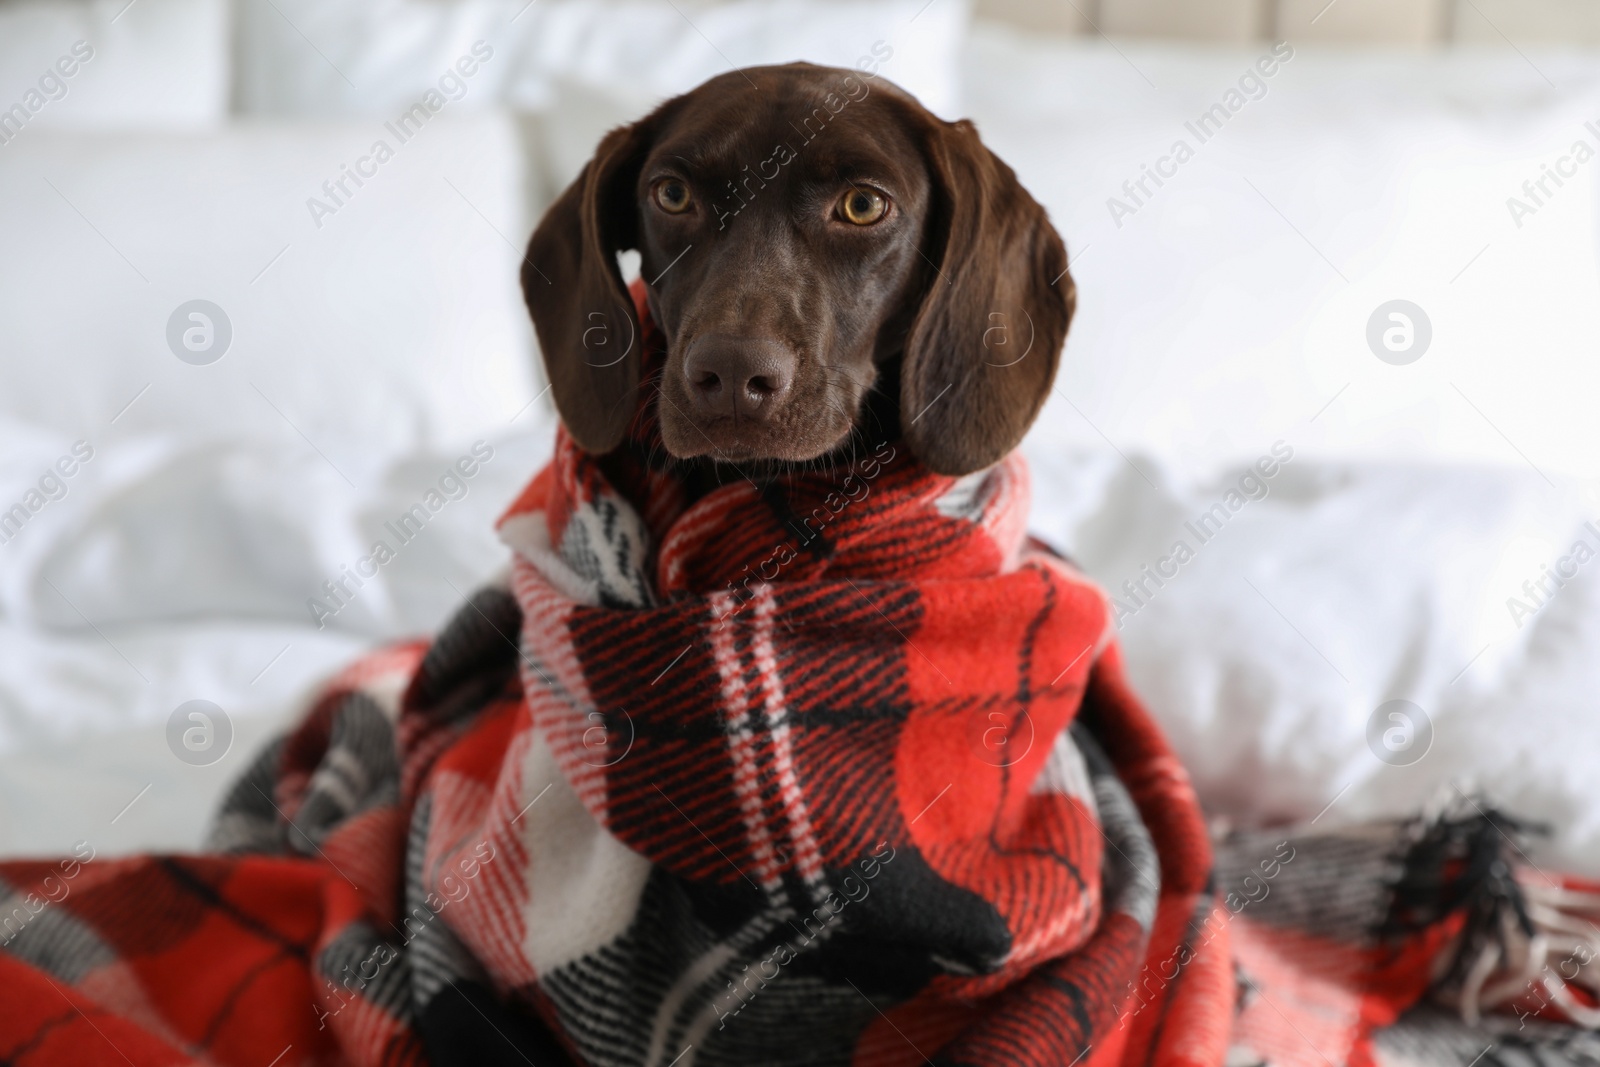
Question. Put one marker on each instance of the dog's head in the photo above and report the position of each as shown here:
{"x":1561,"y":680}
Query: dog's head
{"x":819,"y":251}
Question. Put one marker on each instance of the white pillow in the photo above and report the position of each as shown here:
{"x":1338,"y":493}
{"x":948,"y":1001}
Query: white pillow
{"x":96,"y":64}
{"x":1233,"y":303}
{"x":366,"y":325}
{"x":376,"y":59}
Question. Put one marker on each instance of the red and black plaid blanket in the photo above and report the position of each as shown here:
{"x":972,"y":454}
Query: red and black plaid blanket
{"x":835,"y":769}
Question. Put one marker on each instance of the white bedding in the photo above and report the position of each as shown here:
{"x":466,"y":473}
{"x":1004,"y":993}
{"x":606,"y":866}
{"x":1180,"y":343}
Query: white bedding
{"x":1376,"y":565}
{"x":1345,"y":586}
{"x":1231,"y":306}
{"x":85,"y":756}
{"x":1269,"y":654}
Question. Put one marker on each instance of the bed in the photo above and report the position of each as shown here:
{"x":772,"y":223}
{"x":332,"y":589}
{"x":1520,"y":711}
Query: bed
{"x":1414,"y":552}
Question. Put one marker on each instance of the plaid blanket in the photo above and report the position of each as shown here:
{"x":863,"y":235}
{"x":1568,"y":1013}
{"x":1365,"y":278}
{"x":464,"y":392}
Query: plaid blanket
{"x":839,"y":768}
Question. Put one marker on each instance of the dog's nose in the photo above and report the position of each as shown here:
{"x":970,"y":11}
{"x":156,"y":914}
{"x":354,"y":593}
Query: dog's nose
{"x":738,"y":375}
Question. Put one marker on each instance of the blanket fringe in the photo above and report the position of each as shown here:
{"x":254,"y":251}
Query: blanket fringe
{"x":1527,"y":939}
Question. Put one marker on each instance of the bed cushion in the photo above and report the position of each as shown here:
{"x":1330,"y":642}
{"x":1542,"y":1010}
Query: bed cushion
{"x":1231,"y":305}
{"x":363,"y":325}
{"x":109,"y":64}
{"x":376,"y":59}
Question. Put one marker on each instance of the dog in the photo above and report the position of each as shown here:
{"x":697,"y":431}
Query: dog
{"x":828,"y":265}
{"x":825,"y":258}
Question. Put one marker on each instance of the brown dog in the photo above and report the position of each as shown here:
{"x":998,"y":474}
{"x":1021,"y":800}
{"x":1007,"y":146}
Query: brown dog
{"x":824,"y":255}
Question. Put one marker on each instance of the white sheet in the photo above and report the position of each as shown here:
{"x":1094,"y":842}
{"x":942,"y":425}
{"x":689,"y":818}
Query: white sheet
{"x":1264,"y":656}
{"x":224,"y":550}
{"x":83,"y":715}
{"x":1330,"y":591}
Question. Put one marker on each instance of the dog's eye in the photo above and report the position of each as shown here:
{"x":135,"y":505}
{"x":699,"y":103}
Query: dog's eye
{"x":863,"y":207}
{"x":673,"y":196}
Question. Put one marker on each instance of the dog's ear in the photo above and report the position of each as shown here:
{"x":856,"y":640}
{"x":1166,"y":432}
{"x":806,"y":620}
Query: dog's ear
{"x":983,"y":348}
{"x":588,"y":331}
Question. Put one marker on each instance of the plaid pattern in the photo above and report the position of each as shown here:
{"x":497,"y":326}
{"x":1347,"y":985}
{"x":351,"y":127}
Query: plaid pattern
{"x":839,"y":769}
{"x":1337,"y":934}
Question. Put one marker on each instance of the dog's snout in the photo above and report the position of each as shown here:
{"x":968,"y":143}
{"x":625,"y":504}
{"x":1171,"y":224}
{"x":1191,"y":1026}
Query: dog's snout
{"x":738,"y":376}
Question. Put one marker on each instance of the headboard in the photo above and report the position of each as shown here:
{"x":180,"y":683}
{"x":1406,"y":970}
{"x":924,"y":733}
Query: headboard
{"x":1399,"y":22}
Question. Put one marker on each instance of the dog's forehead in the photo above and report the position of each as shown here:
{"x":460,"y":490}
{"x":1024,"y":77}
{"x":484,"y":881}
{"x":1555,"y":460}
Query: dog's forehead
{"x":828,"y":121}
